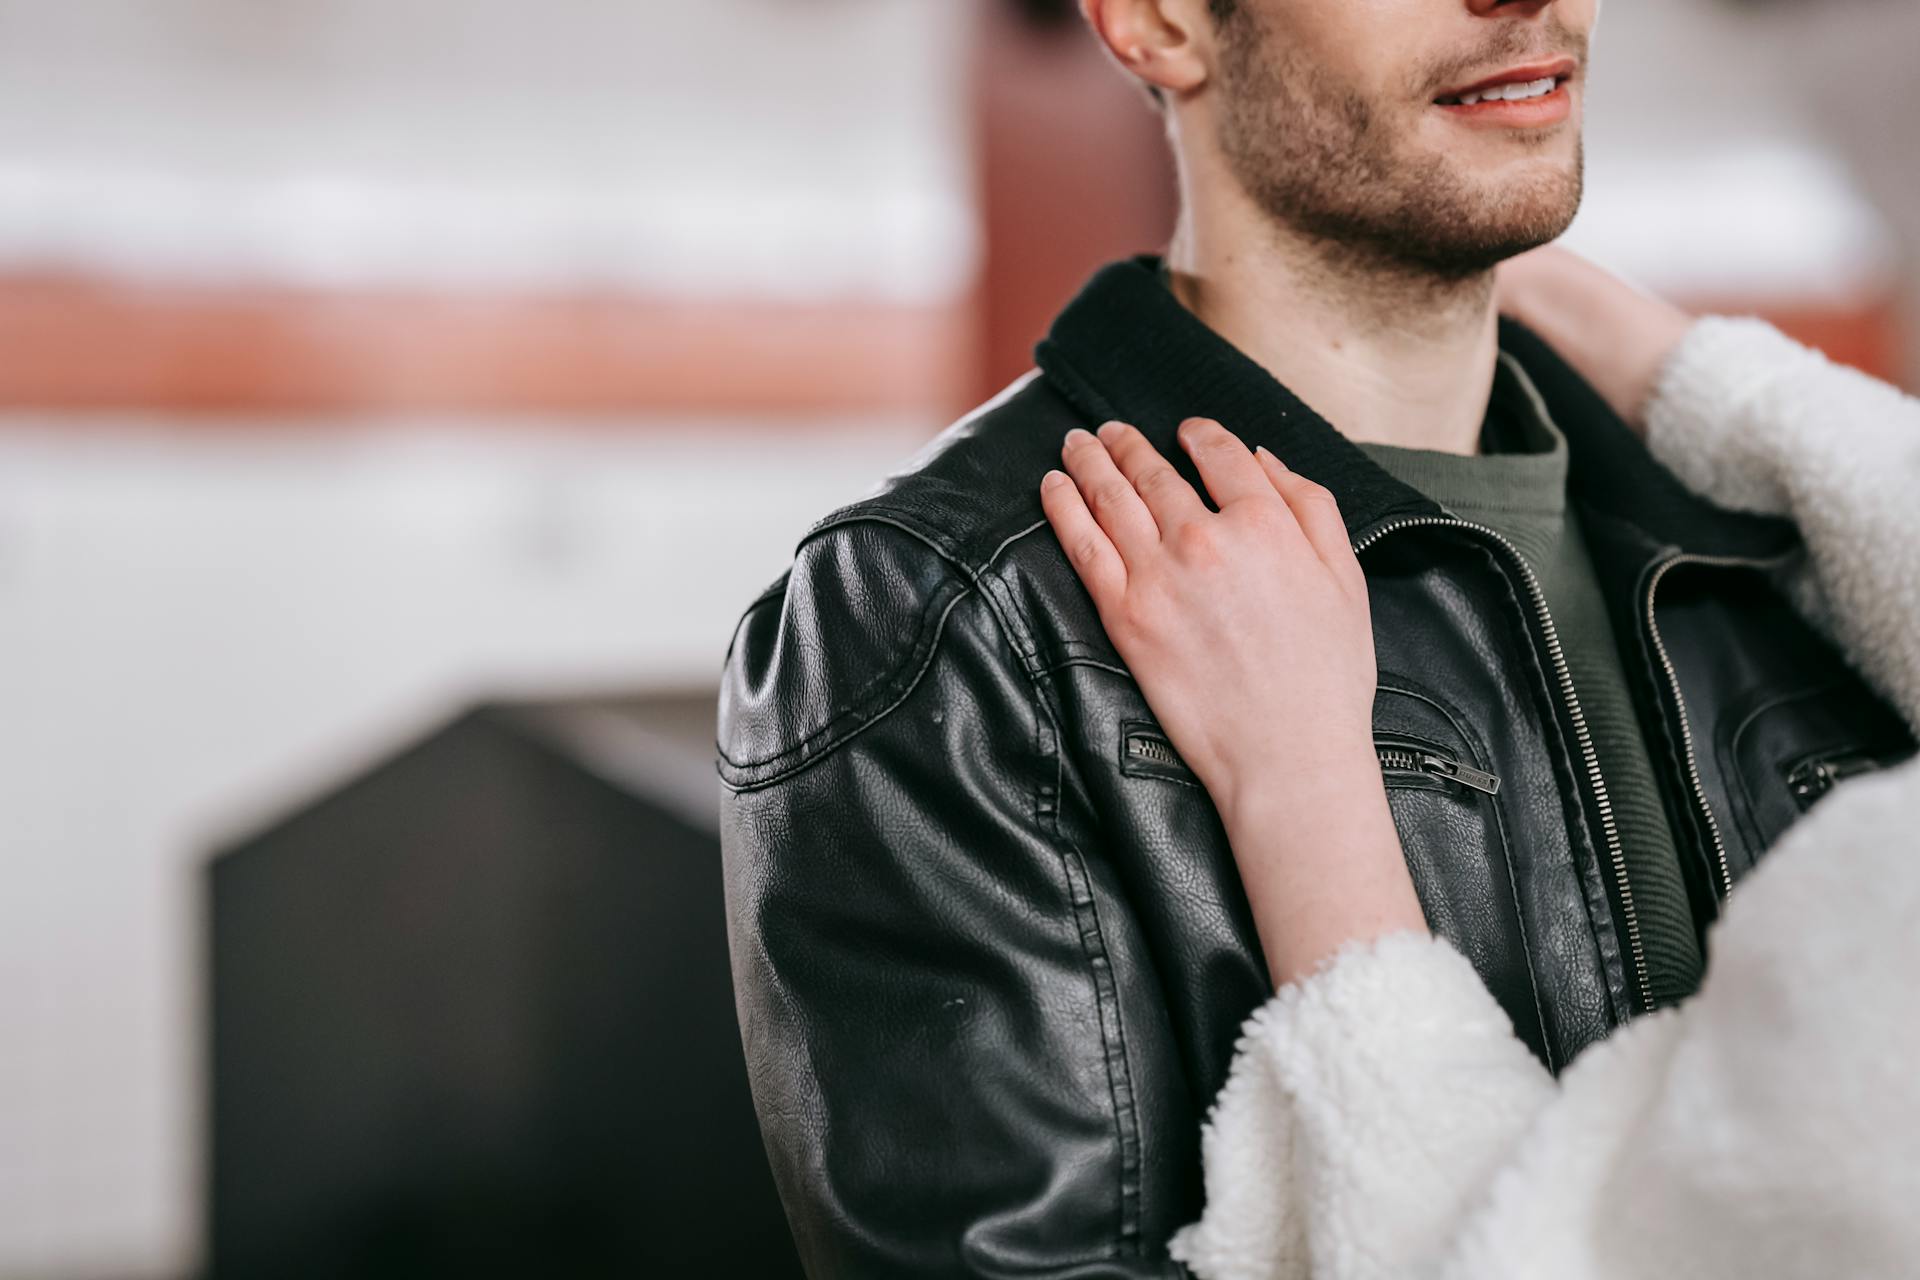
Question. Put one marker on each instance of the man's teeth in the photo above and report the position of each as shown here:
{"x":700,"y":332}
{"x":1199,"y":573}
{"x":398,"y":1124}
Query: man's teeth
{"x":1509,"y":92}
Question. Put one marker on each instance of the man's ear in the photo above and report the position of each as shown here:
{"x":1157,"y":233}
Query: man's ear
{"x":1168,"y":44}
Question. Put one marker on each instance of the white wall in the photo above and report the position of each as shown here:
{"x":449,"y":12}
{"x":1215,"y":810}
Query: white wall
{"x":754,"y":146}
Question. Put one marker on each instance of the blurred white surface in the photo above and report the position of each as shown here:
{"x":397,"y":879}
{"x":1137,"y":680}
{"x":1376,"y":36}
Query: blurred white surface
{"x":564,"y":144}
{"x":200,"y":626}
{"x":1751,"y":221}
{"x":1706,"y":175}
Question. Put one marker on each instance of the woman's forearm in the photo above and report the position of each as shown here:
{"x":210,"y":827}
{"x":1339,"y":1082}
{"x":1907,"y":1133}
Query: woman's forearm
{"x":1322,"y":863}
{"x":1616,"y":335}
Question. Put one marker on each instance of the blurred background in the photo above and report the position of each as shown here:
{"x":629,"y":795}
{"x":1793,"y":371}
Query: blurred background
{"x":399,"y":402}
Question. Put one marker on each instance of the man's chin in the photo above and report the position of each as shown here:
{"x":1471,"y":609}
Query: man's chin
{"x":1466,"y":247}
{"x":1507,"y":223}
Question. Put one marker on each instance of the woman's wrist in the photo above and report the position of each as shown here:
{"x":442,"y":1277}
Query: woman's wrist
{"x":1322,"y":864}
{"x":1618,"y":337}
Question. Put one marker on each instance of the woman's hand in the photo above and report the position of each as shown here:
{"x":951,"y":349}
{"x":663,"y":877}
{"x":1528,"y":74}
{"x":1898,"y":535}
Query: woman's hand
{"x":1248,"y":630}
{"x":1249,"y":633}
{"x":1615,"y":336}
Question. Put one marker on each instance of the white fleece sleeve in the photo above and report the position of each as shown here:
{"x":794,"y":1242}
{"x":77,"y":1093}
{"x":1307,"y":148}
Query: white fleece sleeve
{"x":1381,"y":1119}
{"x":1365,"y":1109}
{"x":1755,"y":421}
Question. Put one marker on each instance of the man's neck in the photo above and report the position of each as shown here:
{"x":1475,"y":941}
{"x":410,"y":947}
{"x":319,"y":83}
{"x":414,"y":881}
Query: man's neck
{"x":1386,"y":355}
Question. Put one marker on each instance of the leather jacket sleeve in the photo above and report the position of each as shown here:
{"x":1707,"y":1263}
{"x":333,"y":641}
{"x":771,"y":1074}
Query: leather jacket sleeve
{"x":922,"y":989}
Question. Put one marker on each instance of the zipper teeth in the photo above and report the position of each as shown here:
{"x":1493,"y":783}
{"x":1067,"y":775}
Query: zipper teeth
{"x":1680,"y":702}
{"x":1609,"y":829}
{"x":1686,"y":729}
{"x":1152,"y":750}
{"x":1400,"y":758}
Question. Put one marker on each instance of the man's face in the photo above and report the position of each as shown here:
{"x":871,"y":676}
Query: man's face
{"x":1346,"y":120}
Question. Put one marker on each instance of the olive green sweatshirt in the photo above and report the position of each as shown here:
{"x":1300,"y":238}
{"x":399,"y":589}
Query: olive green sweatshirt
{"x":1517,"y":486}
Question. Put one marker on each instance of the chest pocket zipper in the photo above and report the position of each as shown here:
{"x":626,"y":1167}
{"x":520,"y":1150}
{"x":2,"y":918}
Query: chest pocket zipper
{"x":1396,"y":757}
{"x":1145,"y":752}
{"x":1811,"y":779}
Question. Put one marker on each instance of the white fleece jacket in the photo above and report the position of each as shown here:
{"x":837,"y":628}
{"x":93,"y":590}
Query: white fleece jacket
{"x":1381,"y":1119}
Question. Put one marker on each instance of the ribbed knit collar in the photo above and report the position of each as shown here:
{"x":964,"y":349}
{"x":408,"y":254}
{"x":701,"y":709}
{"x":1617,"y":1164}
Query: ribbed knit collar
{"x":1126,"y":348}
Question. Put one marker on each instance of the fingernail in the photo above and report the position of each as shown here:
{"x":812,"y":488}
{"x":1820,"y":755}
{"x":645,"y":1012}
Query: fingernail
{"x":1265,"y":452}
{"x":1053,"y":479}
{"x":1079,"y":435}
{"x":1109,"y":430}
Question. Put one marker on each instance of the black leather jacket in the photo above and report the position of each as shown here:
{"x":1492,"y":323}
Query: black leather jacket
{"x":990,"y":950}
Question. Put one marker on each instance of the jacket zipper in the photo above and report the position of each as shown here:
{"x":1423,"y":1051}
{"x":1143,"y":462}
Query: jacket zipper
{"x":1660,"y":571}
{"x":1393,"y":756}
{"x":1616,"y":855}
{"x":1410,"y":759}
{"x":1154,"y":751}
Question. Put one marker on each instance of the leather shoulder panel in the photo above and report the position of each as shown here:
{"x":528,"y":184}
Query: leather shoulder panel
{"x":839,"y":641}
{"x":849,"y":631}
{"x":976,"y":485}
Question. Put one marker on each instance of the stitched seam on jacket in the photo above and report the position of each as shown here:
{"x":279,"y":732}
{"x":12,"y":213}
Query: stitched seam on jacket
{"x":775,"y":592}
{"x":1113,"y":1042}
{"x":1095,"y":663}
{"x":1506,"y":853}
{"x":1573,"y":800}
{"x":1078,"y":883}
{"x":1106,"y":982}
{"x":927,"y":649}
{"x":752,"y":774}
{"x":1073,"y":862}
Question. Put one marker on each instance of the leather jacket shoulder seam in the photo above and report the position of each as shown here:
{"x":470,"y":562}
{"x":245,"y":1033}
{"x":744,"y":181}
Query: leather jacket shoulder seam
{"x":746,"y":775}
{"x":771,"y":595}
{"x":909,"y":522}
{"x":1096,"y":663}
{"x":751,"y":775}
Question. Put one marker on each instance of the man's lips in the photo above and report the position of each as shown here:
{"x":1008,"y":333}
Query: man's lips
{"x":1559,"y":70}
{"x":1534,"y":96}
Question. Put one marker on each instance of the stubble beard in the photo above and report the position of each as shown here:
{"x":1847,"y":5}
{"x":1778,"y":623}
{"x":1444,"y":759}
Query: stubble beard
{"x":1317,"y":159}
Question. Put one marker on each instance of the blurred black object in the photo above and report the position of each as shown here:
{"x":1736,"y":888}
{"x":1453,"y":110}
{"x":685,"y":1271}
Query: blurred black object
{"x":472,"y":1017}
{"x":1046,"y":13}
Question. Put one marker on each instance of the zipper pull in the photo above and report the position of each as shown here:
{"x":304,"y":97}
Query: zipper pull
{"x":1412,"y":759}
{"x":1813,"y":779}
{"x":1464,"y":774}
